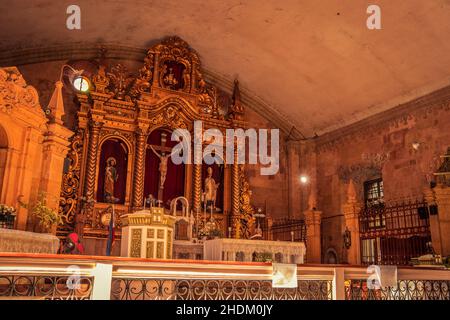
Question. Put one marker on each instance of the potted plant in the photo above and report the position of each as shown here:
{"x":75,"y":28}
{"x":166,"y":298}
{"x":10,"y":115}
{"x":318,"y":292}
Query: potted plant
{"x":48,"y":218}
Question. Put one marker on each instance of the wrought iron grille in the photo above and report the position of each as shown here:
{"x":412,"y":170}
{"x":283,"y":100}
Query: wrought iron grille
{"x":394,"y":233}
{"x":405,"y":290}
{"x":46,"y":287}
{"x":192,"y":289}
{"x":282,"y":230}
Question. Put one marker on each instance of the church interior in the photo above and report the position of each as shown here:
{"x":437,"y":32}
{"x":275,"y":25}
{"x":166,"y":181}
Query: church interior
{"x":99,"y":99}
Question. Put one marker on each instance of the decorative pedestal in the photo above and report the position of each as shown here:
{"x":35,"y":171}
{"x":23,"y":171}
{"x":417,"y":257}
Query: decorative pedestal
{"x":248,"y":250}
{"x":147,"y":234}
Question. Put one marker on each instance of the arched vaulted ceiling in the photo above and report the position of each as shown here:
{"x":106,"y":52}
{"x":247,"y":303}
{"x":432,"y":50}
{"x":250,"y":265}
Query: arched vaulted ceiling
{"x":310,"y":64}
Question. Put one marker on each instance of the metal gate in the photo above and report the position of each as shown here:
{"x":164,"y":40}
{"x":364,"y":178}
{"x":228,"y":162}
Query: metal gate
{"x":394,"y":233}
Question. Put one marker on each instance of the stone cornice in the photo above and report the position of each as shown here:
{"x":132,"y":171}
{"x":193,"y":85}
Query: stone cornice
{"x":420,"y":107}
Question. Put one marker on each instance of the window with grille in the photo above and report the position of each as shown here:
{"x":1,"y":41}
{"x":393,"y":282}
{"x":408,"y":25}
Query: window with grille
{"x":374,"y":198}
{"x":373,"y":192}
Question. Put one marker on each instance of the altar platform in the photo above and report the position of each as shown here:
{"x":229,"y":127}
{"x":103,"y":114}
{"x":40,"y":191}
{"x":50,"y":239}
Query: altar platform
{"x":254,"y":250}
{"x":27,"y":242}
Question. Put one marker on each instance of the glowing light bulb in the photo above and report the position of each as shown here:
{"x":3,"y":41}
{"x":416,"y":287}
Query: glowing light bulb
{"x":81,"y":84}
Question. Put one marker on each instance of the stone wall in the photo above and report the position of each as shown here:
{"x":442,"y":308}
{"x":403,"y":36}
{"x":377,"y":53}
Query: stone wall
{"x":403,"y":146}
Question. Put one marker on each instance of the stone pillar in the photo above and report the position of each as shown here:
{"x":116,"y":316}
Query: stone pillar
{"x":442,"y":196}
{"x":55,"y":147}
{"x":434,"y":222}
{"x":351,"y":210}
{"x":269,"y":228}
{"x":139,"y":163}
{"x":294,"y":194}
{"x":313,"y":236}
{"x":89,"y":183}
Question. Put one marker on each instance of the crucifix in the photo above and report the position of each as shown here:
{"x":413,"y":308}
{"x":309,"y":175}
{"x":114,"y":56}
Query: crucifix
{"x":163,"y":153}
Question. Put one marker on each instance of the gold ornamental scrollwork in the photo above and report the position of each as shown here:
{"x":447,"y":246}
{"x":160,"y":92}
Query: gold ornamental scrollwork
{"x":246,"y":219}
{"x":71,"y":181}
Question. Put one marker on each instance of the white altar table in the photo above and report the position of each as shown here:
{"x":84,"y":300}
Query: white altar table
{"x":27,"y":242}
{"x":244,"y":250}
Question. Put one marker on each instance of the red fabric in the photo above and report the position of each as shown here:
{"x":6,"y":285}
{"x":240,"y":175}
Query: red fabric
{"x":117,"y":149}
{"x":218,"y":177}
{"x":174,"y":184}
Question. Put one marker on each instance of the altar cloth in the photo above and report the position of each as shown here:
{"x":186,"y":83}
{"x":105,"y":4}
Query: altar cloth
{"x":27,"y":242}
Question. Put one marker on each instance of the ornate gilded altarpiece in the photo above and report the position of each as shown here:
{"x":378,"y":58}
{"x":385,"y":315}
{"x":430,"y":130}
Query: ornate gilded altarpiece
{"x":168,"y":91}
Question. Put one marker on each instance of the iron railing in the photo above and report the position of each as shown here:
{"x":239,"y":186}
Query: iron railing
{"x":32,"y":276}
{"x":286,"y":229}
{"x":216,"y":289}
{"x":394,"y":233}
{"x":405,"y":290}
{"x":46,"y":287}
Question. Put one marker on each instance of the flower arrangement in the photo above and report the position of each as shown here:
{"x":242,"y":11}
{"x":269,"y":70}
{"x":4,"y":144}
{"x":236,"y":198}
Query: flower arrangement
{"x":7,"y":216}
{"x":5,"y":210}
{"x":215,"y":233}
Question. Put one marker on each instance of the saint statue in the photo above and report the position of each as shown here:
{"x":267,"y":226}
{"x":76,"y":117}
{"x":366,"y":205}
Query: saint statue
{"x":210,"y":193}
{"x":162,"y":166}
{"x":111,"y":177}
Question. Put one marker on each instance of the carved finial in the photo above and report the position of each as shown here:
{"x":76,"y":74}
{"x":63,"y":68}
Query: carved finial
{"x":102,"y":55}
{"x":56,"y":104}
{"x":236,"y":94}
{"x":351,"y":192}
{"x":237,"y":110}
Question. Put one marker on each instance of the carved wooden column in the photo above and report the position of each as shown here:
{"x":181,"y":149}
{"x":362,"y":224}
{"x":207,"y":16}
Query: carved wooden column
{"x":156,"y":71}
{"x":313,"y":236}
{"x":198,"y":161}
{"x":197,"y":187}
{"x":193,"y":76}
{"x":351,"y":211}
{"x":139,"y":164}
{"x":235,"y":189}
{"x":91,"y":162}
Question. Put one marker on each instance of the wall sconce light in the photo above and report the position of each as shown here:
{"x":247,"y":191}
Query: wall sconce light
{"x":415,"y":145}
{"x":81,"y":84}
{"x":347,"y":238}
{"x":304,"y":179}
{"x":76,"y":79}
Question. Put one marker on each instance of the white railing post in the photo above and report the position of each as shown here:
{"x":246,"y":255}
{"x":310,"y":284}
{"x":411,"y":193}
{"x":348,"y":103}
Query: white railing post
{"x":338,"y":284}
{"x":102,"y":281}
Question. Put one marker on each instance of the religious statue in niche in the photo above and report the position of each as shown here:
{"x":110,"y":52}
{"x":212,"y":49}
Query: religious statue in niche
{"x":210,"y":193}
{"x":174,"y":76}
{"x":170,"y":80}
{"x":111,"y":177}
